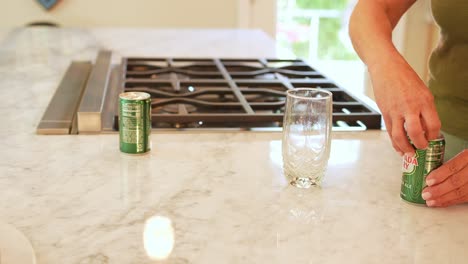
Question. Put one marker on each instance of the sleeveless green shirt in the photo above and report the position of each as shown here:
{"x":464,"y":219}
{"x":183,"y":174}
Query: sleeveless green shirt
{"x":449,"y":66}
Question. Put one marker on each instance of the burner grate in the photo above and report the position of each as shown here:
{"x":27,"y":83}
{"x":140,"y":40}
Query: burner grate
{"x":232,"y":93}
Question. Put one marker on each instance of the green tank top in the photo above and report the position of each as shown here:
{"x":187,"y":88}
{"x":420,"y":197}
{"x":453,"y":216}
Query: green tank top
{"x":449,"y":66}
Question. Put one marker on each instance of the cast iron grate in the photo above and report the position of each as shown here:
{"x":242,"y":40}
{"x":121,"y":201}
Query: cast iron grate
{"x":233,"y":93}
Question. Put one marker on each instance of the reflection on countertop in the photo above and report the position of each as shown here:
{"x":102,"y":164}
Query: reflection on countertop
{"x":158,"y":237}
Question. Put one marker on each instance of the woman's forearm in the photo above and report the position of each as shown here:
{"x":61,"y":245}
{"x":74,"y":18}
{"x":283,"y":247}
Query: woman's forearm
{"x":371,"y":26}
{"x":406,"y":103}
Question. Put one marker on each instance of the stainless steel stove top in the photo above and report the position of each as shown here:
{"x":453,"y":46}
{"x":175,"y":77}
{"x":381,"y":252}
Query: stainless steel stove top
{"x":187,"y":93}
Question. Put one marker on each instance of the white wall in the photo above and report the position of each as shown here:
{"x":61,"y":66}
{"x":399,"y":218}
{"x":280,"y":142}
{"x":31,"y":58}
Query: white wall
{"x":124,"y":13}
{"x":145,"y":13}
{"x":258,"y":14}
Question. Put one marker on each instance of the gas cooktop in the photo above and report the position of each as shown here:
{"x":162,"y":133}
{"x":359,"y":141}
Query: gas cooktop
{"x":212,"y":93}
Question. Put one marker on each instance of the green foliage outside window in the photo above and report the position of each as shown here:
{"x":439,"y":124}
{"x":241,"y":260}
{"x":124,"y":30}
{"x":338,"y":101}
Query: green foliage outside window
{"x":330,"y":47}
{"x":322,"y":4}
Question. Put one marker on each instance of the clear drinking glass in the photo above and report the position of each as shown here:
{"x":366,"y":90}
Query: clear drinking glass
{"x":306,"y":135}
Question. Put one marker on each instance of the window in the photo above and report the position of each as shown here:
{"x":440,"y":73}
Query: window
{"x":317,"y":31}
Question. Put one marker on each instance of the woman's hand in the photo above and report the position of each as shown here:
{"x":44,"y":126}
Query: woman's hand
{"x":448,"y":184}
{"x":406,"y":103}
{"x":401,"y":95}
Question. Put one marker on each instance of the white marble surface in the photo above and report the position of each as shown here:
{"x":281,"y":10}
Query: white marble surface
{"x":20,"y":251}
{"x":222,"y":196}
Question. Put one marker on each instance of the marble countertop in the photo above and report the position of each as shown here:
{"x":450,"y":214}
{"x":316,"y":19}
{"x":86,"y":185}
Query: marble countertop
{"x":209,"y":197}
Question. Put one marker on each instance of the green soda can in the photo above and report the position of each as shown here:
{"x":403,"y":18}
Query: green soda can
{"x":135,"y":122}
{"x":417,"y":167}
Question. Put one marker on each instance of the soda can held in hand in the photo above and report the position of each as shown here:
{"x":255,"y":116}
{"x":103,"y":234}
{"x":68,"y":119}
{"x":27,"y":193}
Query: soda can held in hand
{"x":417,"y":167}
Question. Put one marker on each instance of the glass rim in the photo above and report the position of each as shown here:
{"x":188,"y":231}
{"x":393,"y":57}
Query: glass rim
{"x":290,"y":93}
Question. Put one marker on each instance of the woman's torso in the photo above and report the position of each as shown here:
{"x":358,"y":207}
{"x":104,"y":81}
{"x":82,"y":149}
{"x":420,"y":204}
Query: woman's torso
{"x":449,"y":66}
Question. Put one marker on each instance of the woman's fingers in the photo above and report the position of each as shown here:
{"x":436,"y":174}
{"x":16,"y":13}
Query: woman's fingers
{"x":399,"y":137}
{"x":411,"y":126}
{"x":451,"y":184}
{"x":431,"y":122}
{"x":415,"y":131}
{"x":388,"y":126}
{"x":448,"y":185}
{"x":456,"y":196}
{"x":453,"y":166}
